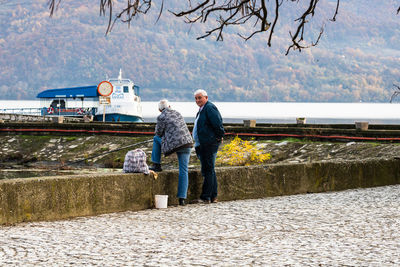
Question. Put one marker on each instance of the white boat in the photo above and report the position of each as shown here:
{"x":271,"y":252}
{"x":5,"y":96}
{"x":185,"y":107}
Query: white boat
{"x":122,"y":105}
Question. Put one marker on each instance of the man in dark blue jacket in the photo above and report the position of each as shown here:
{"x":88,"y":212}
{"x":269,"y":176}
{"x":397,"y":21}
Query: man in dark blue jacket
{"x":208,"y":132}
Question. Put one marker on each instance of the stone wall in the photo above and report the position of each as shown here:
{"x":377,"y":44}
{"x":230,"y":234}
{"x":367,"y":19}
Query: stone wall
{"x":53,"y":198}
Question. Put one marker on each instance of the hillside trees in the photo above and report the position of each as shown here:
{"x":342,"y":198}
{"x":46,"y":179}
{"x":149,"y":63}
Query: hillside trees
{"x":165,"y":60}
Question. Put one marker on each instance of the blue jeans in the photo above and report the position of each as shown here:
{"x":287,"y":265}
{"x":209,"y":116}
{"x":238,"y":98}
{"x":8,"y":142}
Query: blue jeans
{"x":156,"y":152}
{"x":183,"y":161}
{"x":207,"y":155}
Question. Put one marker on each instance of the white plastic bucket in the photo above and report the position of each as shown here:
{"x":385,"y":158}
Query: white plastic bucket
{"x":161,"y":201}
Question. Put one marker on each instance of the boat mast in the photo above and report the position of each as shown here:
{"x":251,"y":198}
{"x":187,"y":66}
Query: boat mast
{"x":120,"y":75}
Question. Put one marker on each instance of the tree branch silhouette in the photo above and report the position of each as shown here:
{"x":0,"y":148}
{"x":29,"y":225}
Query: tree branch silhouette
{"x":228,"y":13}
{"x":396,"y":92}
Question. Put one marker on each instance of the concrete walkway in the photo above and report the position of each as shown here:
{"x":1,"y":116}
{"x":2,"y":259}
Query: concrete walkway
{"x":348,"y":228}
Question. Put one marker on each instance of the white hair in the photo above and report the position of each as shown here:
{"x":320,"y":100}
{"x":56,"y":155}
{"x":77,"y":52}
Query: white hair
{"x":163,"y":104}
{"x":200,"y":91}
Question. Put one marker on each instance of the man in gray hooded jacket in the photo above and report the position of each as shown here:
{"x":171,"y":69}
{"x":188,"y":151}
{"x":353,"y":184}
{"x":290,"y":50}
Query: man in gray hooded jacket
{"x":172,"y":136}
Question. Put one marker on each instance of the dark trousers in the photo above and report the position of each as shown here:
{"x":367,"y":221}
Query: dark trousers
{"x":207,"y":155}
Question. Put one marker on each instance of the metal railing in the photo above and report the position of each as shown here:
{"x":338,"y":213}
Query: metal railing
{"x":22,"y":111}
{"x":74,"y":112}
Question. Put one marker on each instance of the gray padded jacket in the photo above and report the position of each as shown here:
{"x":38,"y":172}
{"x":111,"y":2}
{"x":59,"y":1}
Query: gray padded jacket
{"x":174,"y":133}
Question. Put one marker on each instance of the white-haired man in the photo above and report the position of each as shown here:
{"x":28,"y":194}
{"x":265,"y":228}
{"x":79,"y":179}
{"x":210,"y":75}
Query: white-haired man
{"x":208,"y":132}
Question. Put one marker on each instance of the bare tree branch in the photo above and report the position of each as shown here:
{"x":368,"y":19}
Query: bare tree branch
{"x":104,"y":4}
{"x":190,"y":11}
{"x":53,"y":6}
{"x":161,"y":10}
{"x":228,"y":16}
{"x":227,"y":13}
{"x":336,"y":11}
{"x":396,"y":93}
{"x":298,"y":37}
{"x":275,"y":21}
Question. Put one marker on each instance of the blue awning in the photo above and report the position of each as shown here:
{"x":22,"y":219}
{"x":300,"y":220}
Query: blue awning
{"x":74,"y":92}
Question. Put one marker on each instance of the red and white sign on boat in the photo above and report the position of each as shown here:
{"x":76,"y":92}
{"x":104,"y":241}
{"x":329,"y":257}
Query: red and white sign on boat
{"x":105,"y":88}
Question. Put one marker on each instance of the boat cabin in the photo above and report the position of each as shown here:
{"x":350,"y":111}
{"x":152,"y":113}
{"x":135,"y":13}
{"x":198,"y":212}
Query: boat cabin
{"x":124,"y":103}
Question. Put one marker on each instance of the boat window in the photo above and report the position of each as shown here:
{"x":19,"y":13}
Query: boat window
{"x":136,"y":90}
{"x":58,"y":103}
{"x":126,"y":89}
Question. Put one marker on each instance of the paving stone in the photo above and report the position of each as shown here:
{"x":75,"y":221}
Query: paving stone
{"x":348,"y":228}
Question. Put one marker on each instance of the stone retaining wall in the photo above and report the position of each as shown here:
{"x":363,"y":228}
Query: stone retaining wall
{"x":53,"y":198}
{"x":69,"y":125}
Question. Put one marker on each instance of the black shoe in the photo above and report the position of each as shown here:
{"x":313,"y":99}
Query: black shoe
{"x":182,"y":202}
{"x":156,"y":167}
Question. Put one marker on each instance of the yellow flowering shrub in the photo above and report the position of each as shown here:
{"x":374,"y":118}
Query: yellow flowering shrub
{"x":241,"y":153}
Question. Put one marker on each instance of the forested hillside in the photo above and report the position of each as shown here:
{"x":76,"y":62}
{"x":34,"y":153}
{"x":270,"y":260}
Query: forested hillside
{"x":358,"y":58}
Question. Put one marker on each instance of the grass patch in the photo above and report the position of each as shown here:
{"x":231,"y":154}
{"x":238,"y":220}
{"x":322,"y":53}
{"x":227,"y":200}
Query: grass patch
{"x":70,"y":138}
{"x":34,"y":137}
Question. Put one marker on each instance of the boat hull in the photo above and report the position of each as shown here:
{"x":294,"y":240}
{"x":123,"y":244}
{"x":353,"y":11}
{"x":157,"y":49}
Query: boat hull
{"x":115,"y":117}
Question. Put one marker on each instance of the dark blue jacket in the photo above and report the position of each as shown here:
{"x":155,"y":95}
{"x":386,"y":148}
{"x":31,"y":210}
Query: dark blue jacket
{"x":210,"y":129}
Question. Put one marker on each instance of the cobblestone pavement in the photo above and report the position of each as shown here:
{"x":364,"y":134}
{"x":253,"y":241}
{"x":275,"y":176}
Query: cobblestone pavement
{"x":349,"y":228}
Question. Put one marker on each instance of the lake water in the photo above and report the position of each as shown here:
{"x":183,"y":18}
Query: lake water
{"x":269,"y":112}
